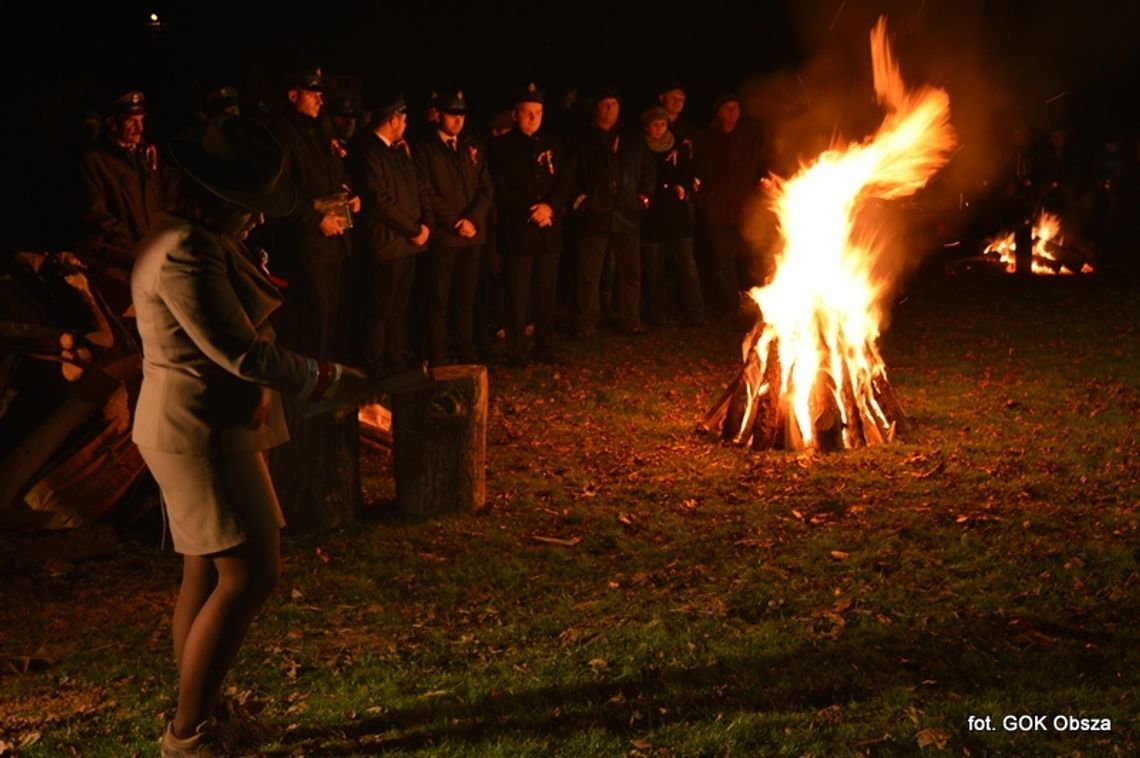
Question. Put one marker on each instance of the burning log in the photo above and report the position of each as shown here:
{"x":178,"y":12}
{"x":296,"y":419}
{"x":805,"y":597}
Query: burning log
{"x":1051,"y":253}
{"x":753,"y":412}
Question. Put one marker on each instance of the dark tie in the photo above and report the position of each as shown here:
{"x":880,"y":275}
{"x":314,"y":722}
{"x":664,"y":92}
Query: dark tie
{"x":451,"y":143}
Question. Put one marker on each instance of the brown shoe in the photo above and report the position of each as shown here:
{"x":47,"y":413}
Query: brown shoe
{"x":201,"y":744}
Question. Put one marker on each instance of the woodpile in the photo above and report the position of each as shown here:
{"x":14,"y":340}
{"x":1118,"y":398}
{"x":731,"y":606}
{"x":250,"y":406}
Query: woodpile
{"x":849,"y":413}
{"x":69,"y":373}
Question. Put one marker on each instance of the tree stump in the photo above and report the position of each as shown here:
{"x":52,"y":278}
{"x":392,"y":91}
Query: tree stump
{"x":317,"y":473}
{"x":440,"y":443}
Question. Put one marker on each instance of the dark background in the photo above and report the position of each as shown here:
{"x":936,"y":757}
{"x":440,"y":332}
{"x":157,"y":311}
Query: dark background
{"x":801,"y":67}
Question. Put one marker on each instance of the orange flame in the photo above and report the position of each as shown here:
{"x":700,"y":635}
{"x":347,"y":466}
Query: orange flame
{"x":1046,"y":237}
{"x":824,"y":305}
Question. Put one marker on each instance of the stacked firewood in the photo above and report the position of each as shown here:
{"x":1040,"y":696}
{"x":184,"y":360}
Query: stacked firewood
{"x":70,"y":368}
{"x":753,"y":412}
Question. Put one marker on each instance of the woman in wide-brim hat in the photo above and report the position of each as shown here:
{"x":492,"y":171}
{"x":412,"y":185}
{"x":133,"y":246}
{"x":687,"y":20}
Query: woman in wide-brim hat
{"x":210,"y":403}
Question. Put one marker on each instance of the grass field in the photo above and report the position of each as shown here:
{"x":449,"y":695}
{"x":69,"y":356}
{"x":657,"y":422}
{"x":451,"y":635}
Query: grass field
{"x":708,"y":601}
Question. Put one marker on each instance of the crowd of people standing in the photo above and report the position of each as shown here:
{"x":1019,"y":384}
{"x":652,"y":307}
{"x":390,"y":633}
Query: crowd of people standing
{"x":423,"y":239}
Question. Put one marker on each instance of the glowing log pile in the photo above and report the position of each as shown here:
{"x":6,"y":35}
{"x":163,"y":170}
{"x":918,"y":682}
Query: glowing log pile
{"x":1050,"y":253}
{"x":812,"y":375}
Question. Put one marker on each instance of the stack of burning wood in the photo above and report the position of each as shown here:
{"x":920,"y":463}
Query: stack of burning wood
{"x":757,"y":410}
{"x":69,"y":373}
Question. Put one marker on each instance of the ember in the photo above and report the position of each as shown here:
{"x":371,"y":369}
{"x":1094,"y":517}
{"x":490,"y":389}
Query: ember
{"x":1050,"y":253}
{"x":812,"y":376}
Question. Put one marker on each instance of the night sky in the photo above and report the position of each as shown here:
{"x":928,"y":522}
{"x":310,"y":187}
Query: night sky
{"x":1018,"y":50}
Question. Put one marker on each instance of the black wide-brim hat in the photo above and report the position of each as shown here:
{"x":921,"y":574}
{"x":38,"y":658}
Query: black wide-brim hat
{"x":240,"y":161}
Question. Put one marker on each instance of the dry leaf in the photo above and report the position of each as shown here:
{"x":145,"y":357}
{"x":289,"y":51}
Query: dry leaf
{"x":937,"y":738}
{"x":839,"y":555}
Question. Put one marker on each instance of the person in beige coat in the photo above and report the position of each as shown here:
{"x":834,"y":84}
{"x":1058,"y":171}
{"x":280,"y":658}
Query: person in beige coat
{"x":210,"y":403}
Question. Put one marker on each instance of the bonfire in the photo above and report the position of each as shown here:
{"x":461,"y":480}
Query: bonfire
{"x":812,"y":374}
{"x":1050,"y":254}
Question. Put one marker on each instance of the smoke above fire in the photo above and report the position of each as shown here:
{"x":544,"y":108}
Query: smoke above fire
{"x":1005,"y":66}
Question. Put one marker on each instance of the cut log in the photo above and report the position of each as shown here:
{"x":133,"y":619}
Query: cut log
{"x":93,"y":472}
{"x":22,"y":464}
{"x":714,"y":419}
{"x":853,"y":426}
{"x":440,"y":443}
{"x":317,"y":473}
{"x":767,"y":430}
{"x":827,"y":425}
{"x":889,"y":402}
{"x":376,"y":424}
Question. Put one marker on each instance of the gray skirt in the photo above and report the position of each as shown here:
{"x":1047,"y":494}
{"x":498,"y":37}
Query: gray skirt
{"x":214,"y":504}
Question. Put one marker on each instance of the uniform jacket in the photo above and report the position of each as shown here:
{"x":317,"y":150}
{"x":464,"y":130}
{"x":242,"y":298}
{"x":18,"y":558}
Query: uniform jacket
{"x":611,"y":169}
{"x":394,"y":198}
{"x":460,"y":186}
{"x":730,"y":166}
{"x":212,"y":376}
{"x":526,"y":171}
{"x":317,"y":171}
{"x":125,"y":192}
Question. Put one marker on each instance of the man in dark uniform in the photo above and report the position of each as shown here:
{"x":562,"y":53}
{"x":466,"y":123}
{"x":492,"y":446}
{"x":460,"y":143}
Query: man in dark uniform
{"x":614,"y":180}
{"x":344,"y":117}
{"x":124,"y":186}
{"x":394,"y":227}
{"x":532,"y":185}
{"x":218,"y":101}
{"x":455,"y":167}
{"x":309,"y":247}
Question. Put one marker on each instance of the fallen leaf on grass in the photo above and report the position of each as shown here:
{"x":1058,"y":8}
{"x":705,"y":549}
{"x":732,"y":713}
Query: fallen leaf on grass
{"x":937,"y":469}
{"x":431,"y":557}
{"x":571,"y":542}
{"x":937,"y":738}
{"x":839,"y":555}
{"x":641,"y":744}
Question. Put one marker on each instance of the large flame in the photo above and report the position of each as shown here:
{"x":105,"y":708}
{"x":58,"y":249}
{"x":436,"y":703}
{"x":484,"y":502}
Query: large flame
{"x":822,"y":309}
